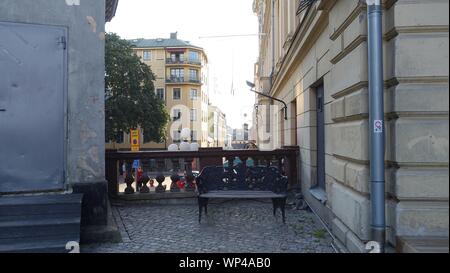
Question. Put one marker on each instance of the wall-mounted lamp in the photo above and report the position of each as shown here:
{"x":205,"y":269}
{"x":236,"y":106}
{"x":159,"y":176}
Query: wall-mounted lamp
{"x":252,"y":86}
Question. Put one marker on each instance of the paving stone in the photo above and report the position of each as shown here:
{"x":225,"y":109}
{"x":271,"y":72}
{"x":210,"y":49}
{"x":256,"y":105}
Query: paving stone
{"x":236,"y":226}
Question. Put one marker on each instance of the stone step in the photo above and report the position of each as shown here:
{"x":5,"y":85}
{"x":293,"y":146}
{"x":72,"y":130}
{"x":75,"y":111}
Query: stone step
{"x":422,"y":244}
{"x":40,"y":205}
{"x":42,"y":246}
{"x":43,"y":223}
{"x":39,"y":227}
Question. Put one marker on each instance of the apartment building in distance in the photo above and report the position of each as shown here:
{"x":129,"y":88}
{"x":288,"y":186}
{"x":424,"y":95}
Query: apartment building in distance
{"x":217,"y":130}
{"x":181,"y":72}
{"x":314,"y":57}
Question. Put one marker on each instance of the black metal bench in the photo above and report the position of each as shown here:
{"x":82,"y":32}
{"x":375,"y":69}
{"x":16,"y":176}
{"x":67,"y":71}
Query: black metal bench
{"x":241,"y":182}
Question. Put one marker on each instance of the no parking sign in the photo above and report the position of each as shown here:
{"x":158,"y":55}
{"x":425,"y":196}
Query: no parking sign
{"x":378,"y":126}
{"x":134,"y":140}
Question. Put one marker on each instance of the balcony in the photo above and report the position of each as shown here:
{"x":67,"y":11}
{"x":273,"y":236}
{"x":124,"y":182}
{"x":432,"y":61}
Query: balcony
{"x":178,"y":61}
{"x":194,"y":81}
{"x":175,"y":80}
{"x":175,"y":61}
{"x":182,"y":80}
{"x":164,"y":170}
{"x":194,"y":62}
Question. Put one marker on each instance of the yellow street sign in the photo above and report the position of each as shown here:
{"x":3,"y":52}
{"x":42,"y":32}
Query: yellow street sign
{"x":134,"y":140}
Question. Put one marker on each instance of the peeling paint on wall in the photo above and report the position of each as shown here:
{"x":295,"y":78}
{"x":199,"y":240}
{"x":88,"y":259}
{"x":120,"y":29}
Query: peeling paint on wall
{"x":87,"y":172}
{"x":86,"y":161}
{"x":86,"y":133}
{"x":72,"y":2}
{"x":94,"y":154}
{"x":101,"y":36}
{"x":92,"y":23}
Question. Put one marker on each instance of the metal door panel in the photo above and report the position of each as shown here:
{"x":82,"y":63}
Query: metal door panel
{"x":32,"y":104}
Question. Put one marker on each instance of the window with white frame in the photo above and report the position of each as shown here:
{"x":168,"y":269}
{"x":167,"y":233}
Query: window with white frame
{"x":177,"y":74}
{"x":194,"y":56}
{"x":176,"y":136}
{"x":193,"y":94}
{"x":147,"y":56}
{"x":176,"y":94}
{"x":193,"y":75}
{"x":194,"y":136}
{"x":160,"y":94}
{"x":193,"y":114}
{"x":176,"y":114}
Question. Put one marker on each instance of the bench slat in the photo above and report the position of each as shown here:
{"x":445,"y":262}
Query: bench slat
{"x":242,"y":194}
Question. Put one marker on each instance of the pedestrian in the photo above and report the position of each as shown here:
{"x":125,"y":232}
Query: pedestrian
{"x":124,"y":171}
{"x":139,"y":174}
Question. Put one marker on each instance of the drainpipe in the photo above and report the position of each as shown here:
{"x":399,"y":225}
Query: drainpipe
{"x":376,"y":118}
{"x":273,"y":43}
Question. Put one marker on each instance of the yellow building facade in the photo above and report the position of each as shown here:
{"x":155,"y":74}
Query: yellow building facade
{"x":181,"y":80}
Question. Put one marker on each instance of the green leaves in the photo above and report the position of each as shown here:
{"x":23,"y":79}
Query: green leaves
{"x":130,"y":100}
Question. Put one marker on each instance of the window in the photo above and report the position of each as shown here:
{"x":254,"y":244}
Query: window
{"x":193,"y":94}
{"x":119,"y":137}
{"x":147,"y":55}
{"x":176,"y":136}
{"x":193,"y":114}
{"x":176,"y":94}
{"x":177,"y":57}
{"x":193,"y":75}
{"x":160,"y":94}
{"x":193,"y":56}
{"x":194,"y":136}
{"x":176,"y":114}
{"x":177,"y":75}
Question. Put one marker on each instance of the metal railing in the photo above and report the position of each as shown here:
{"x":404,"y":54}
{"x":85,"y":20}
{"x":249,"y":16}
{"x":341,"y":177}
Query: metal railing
{"x":175,"y":61}
{"x":175,"y":80}
{"x":183,"y":61}
{"x":196,"y":62}
{"x":182,"y":80}
{"x":194,"y":80}
{"x":181,"y":167}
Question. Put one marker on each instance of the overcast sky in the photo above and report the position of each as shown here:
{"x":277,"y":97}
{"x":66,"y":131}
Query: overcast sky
{"x":231,"y":59}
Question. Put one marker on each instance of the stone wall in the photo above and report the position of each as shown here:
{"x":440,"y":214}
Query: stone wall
{"x":333,"y":51}
{"x":416,"y":73}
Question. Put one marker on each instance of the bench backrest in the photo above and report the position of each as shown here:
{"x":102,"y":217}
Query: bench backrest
{"x":240,"y":177}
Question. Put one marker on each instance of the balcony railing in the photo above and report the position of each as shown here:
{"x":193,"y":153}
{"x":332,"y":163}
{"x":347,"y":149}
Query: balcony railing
{"x":182,"y":80}
{"x":173,"y":171}
{"x":175,"y":61}
{"x":183,"y":61}
{"x":175,"y":80}
{"x":196,"y":62}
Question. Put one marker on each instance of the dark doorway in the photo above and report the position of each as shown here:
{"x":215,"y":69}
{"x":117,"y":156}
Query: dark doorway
{"x":293,"y":122}
{"x":320,"y":137}
{"x":32,"y":103}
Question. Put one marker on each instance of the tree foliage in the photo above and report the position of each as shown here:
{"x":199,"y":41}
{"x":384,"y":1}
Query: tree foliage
{"x":130,"y":100}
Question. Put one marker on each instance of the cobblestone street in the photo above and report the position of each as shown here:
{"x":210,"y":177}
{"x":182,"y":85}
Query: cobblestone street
{"x":233,"y":226}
